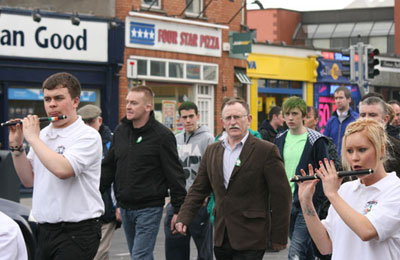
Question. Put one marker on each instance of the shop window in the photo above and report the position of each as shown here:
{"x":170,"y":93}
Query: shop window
{"x":390,"y":44}
{"x":193,"y":71}
{"x":153,"y":3}
{"x":157,"y":68}
{"x":194,"y":6}
{"x":355,"y":40}
{"x":142,"y":67}
{"x":175,"y":70}
{"x":210,"y":73}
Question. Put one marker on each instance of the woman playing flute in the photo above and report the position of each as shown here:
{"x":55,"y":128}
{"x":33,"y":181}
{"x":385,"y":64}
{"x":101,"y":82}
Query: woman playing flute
{"x":363,"y":220}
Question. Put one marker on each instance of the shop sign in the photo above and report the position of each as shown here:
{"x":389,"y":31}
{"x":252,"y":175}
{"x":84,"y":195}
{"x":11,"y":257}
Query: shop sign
{"x":331,"y":71}
{"x":172,"y":36}
{"x":241,"y":43}
{"x":53,"y":38}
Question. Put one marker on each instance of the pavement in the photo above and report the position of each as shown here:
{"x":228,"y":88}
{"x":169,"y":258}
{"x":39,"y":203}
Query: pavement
{"x":119,"y":249}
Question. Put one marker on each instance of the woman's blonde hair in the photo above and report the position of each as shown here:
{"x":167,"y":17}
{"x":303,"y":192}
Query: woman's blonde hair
{"x":374,"y":131}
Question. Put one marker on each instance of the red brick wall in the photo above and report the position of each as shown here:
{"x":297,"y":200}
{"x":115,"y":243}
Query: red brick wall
{"x":219,"y":12}
{"x":397,"y":27}
{"x":274,"y":25}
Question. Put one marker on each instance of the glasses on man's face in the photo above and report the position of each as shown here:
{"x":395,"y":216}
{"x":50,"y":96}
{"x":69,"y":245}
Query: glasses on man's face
{"x":235,"y":117}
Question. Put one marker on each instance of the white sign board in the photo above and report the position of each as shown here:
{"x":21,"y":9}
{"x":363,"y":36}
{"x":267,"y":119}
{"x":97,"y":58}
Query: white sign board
{"x":53,"y":38}
{"x":172,"y":36}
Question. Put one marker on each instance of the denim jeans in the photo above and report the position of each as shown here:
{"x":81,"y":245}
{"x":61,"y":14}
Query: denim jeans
{"x":300,"y":240}
{"x":177,"y":246}
{"x":141,"y":228}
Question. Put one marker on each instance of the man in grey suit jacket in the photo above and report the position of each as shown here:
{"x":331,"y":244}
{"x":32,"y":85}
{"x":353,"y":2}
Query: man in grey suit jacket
{"x":252,"y":193}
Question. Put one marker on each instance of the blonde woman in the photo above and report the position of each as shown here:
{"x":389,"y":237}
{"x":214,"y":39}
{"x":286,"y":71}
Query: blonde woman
{"x":364,"y":218}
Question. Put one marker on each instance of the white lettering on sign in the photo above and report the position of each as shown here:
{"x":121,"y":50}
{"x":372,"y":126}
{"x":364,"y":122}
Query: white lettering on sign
{"x":53,"y":38}
{"x":172,"y":36}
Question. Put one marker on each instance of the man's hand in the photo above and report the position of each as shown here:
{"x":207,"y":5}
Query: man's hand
{"x":278,"y":247}
{"x":180,"y":228}
{"x":31,"y":127}
{"x":118,"y":215}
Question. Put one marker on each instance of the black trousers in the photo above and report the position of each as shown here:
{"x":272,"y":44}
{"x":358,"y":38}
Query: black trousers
{"x":226,"y":252}
{"x":67,"y":240}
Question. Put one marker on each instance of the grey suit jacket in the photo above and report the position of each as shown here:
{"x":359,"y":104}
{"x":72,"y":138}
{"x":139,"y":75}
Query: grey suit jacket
{"x":255,"y":208}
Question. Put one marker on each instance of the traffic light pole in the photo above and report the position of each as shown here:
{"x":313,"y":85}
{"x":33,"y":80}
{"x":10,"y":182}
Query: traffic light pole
{"x":361,"y":82}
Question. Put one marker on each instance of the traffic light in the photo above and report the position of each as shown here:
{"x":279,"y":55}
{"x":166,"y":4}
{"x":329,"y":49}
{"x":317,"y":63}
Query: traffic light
{"x":348,"y":64}
{"x":371,"y":62}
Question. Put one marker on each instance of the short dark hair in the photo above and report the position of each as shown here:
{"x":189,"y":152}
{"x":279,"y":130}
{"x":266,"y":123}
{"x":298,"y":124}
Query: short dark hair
{"x":232,"y":100}
{"x":375,"y":100}
{"x":276,"y":110}
{"x":188,"y":105}
{"x":346,"y":91}
{"x":65,"y":80}
{"x":371,"y":94}
{"x":314,"y":111}
{"x":394,"y":101}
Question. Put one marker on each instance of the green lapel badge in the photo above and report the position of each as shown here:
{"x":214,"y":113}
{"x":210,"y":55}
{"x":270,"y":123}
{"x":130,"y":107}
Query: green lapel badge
{"x":238,"y":162}
{"x":139,"y":139}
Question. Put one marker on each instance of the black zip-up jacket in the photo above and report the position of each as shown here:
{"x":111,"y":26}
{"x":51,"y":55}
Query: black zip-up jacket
{"x":143,"y":163}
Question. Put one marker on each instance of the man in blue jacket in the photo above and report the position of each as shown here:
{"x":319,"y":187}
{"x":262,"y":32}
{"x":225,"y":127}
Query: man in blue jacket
{"x":300,"y":146}
{"x":343,"y":116}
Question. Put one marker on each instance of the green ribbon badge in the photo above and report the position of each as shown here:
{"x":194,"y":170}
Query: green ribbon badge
{"x":238,"y":162}
{"x":139,"y":139}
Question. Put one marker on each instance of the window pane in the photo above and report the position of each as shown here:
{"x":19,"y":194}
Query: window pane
{"x":150,"y":2}
{"x":324,"y":30}
{"x":381,"y":28}
{"x":322,"y":43}
{"x":142,"y":67}
{"x":380,"y":43}
{"x":358,"y":39}
{"x":343,"y":30}
{"x":362,"y":29}
{"x":209,"y":72}
{"x":392,"y":30}
{"x":194,"y":7}
{"x":339,"y":43}
{"x":157,"y":68}
{"x":390,"y":45}
{"x":192,"y":71}
{"x":310,"y":30}
{"x":176,"y":70}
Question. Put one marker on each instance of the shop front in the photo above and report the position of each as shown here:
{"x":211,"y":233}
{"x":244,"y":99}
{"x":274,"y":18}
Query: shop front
{"x":31,"y":50}
{"x":277,"y":77}
{"x":328,"y":80}
{"x":178,"y":59}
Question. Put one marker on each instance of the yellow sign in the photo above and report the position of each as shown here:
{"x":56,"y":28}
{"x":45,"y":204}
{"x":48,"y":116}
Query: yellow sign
{"x":260,"y":104}
{"x":335,"y":71}
{"x":270,"y":102}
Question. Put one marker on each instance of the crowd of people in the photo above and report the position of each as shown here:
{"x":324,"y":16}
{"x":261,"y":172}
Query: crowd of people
{"x":231,"y":195}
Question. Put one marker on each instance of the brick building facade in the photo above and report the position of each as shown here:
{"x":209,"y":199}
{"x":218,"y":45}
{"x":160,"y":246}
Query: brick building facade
{"x":179,"y":71}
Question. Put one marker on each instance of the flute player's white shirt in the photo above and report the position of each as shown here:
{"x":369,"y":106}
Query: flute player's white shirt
{"x":76,"y":198}
{"x":380,"y":203}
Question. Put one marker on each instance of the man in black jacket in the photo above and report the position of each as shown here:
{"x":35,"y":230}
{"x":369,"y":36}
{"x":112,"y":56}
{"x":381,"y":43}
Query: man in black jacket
{"x":143,"y":163}
{"x":269,"y":129}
